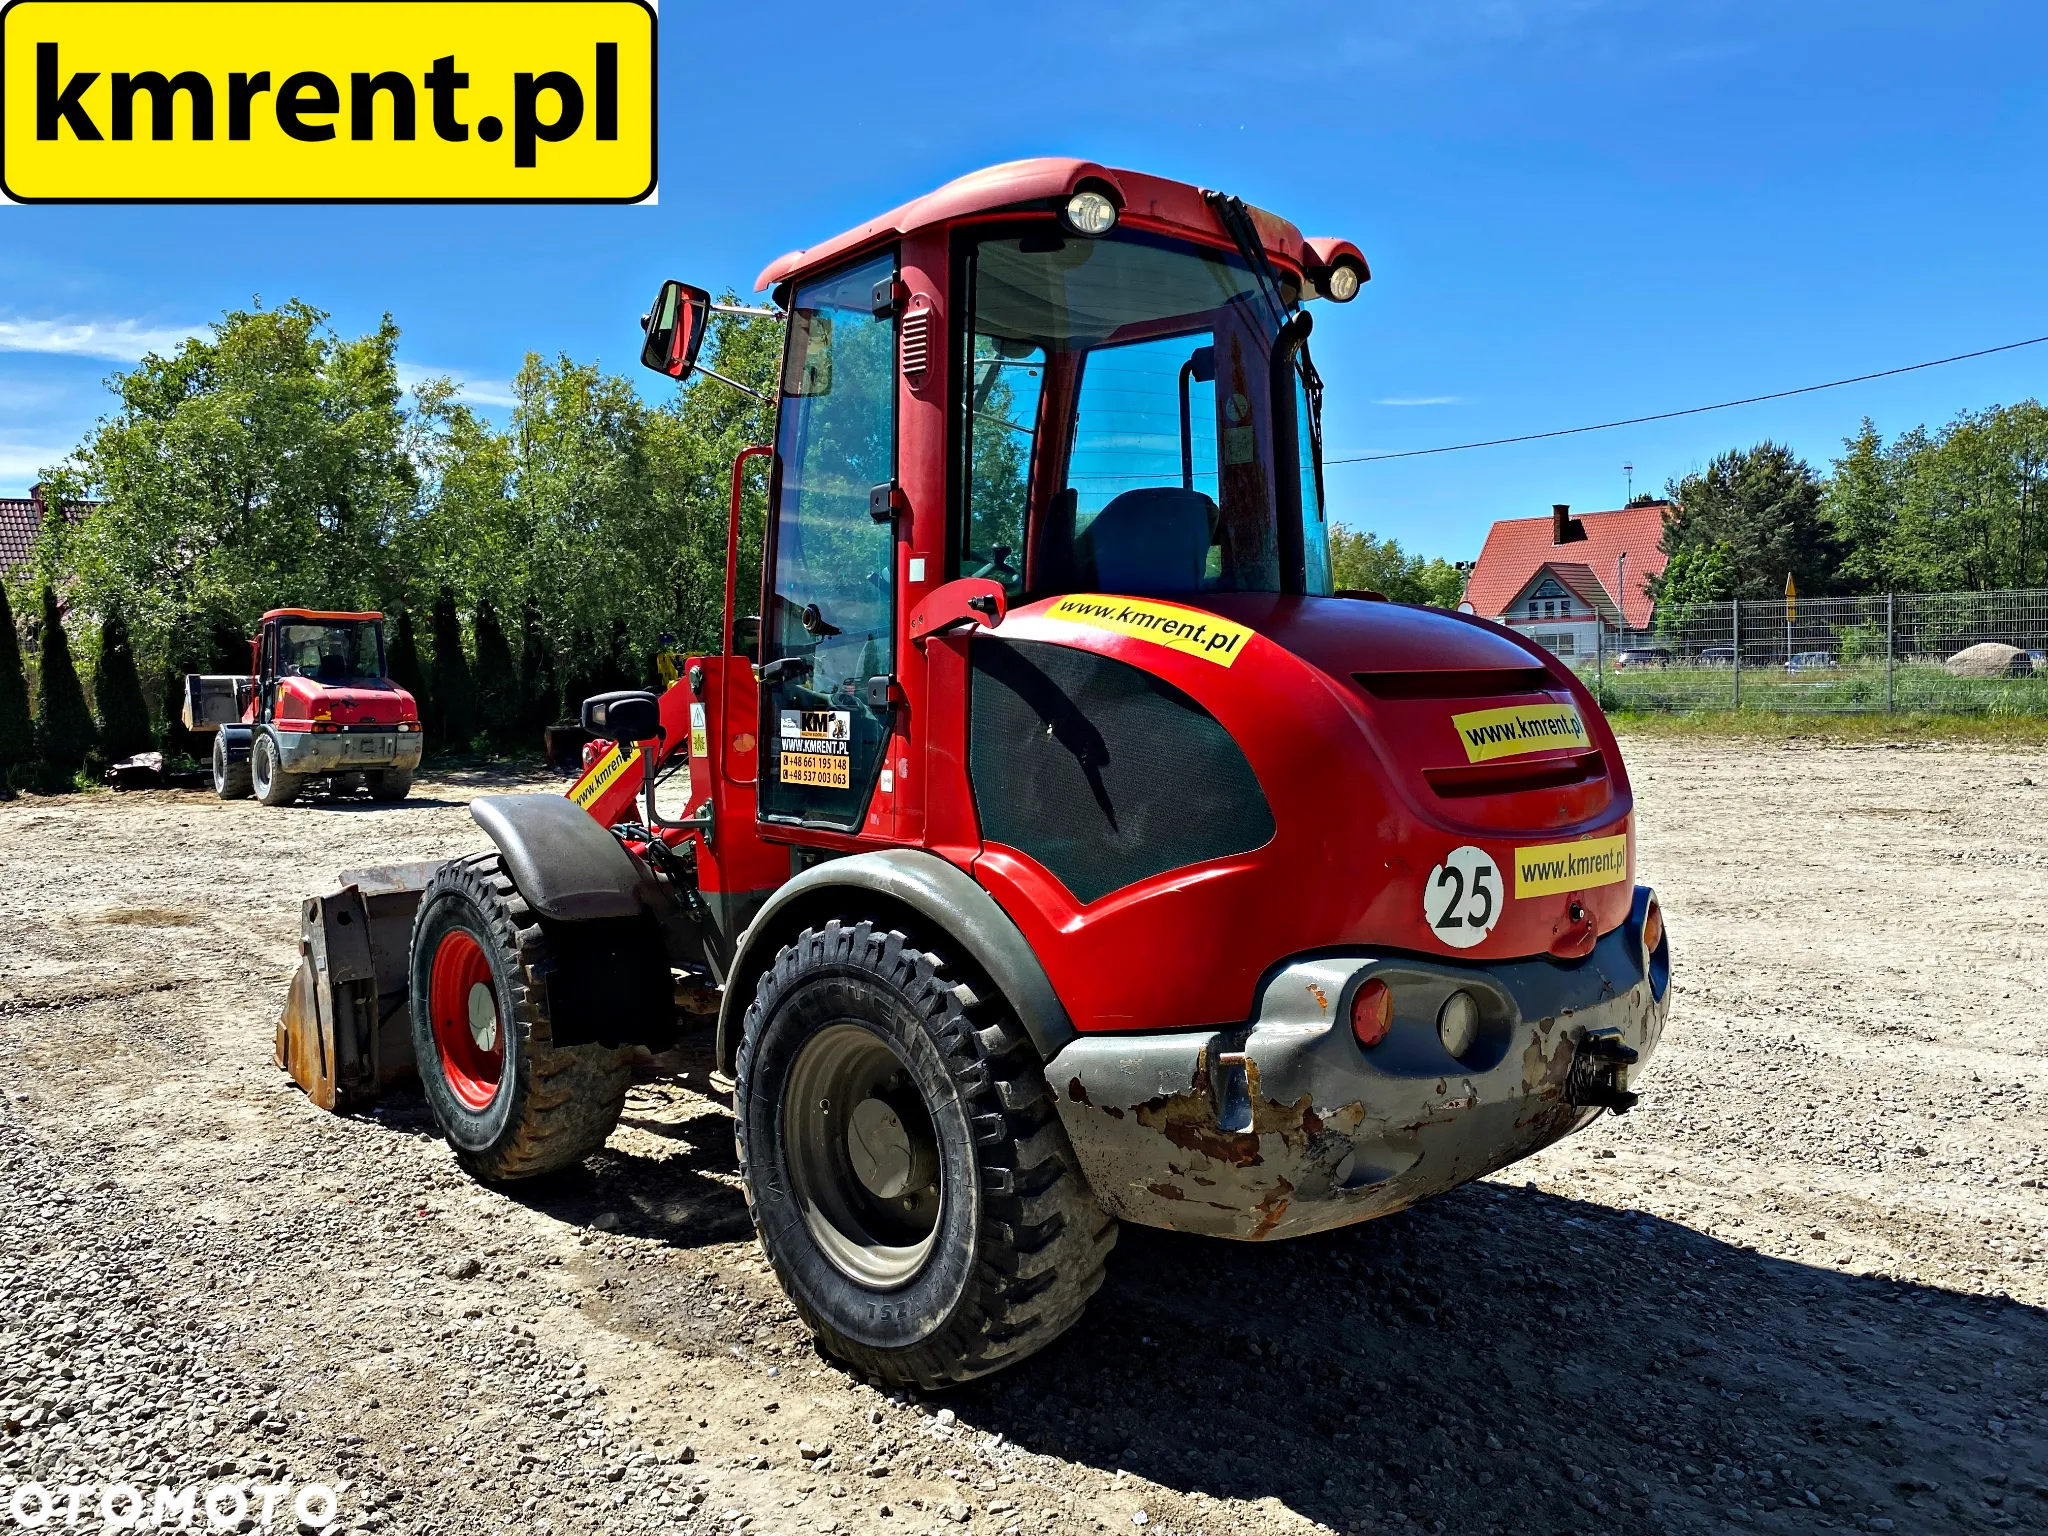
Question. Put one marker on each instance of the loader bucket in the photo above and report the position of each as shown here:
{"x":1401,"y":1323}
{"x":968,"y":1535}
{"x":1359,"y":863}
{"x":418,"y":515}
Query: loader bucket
{"x":346,"y":1034}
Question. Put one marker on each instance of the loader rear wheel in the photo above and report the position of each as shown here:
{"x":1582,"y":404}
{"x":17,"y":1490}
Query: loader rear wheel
{"x":390,"y":783}
{"x":904,"y":1165}
{"x":230,"y":780}
{"x":267,"y":773}
{"x":511,"y":1103}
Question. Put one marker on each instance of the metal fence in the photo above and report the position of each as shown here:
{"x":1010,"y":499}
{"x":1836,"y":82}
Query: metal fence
{"x":1920,"y":654}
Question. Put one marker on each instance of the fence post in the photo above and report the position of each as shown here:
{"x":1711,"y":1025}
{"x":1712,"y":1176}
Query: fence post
{"x":1735,"y":625}
{"x":1599,"y":660}
{"x":1888,"y":653}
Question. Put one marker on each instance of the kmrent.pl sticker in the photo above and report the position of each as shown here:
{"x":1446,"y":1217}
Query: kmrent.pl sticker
{"x":1491,"y":733}
{"x":1552,"y":867}
{"x":1178,"y":629}
{"x":327,"y":100}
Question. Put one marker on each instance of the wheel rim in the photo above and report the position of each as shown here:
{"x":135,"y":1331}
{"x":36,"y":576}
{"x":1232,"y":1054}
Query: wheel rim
{"x":220,"y":765}
{"x":469,"y":1034}
{"x":863,"y":1155}
{"x":264,"y":765}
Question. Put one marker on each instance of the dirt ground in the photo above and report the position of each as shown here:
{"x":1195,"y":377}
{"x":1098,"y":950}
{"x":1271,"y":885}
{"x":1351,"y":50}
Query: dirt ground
{"x":1803,"y":1286}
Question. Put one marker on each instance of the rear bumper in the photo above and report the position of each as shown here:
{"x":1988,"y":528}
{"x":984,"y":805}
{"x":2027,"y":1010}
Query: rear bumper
{"x":347,"y":751}
{"x":1286,"y":1126}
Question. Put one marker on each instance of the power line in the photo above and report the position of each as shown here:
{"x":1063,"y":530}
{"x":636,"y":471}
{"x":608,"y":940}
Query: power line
{"x":1696,"y":410}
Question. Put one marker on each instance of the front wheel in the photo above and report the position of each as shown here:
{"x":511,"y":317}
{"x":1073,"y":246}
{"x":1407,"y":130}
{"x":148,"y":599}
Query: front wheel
{"x":230,"y":780}
{"x":273,"y":785}
{"x":905,"y":1168}
{"x":511,"y":1102}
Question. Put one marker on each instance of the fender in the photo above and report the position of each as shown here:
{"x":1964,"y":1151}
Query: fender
{"x":927,"y":887}
{"x":239,"y":740}
{"x":566,"y":866}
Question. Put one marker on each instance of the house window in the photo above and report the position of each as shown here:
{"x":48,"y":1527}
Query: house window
{"x":1535,"y":609}
{"x":1566,"y":643}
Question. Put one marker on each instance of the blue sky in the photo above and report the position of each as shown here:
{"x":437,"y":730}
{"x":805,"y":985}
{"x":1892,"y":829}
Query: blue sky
{"x":1575,"y":210}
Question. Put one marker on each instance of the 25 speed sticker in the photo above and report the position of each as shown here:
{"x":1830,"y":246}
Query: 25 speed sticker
{"x":1462,"y":898}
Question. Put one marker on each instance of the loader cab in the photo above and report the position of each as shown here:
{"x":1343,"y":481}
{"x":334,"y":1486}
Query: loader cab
{"x":328,"y":650}
{"x":1045,"y":379}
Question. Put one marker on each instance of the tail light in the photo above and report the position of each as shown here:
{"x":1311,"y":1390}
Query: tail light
{"x":1653,"y":928}
{"x":1372,"y":1012}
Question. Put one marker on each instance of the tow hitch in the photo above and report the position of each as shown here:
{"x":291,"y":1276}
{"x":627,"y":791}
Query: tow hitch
{"x":1597,"y":1072}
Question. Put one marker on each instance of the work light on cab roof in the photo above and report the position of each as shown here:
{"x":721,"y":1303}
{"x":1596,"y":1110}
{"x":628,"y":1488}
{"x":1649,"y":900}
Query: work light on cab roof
{"x":1057,"y":847}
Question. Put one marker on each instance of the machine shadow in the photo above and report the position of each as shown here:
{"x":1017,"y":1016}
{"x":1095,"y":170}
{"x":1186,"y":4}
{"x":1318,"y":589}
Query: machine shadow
{"x":1500,"y":1360}
{"x":685,"y":1198}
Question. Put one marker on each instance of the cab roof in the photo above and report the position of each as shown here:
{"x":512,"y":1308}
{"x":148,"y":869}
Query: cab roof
{"x":319,"y":615}
{"x":1052,"y":180}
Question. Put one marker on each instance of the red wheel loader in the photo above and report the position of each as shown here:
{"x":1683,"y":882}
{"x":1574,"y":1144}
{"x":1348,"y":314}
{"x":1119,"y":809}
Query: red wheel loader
{"x":1065,"y":851}
{"x":315,"y":705}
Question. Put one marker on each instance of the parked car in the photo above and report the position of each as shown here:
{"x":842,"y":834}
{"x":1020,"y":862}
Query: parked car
{"x":1810,"y":661}
{"x":1645,"y":656}
{"x":1717,"y":656}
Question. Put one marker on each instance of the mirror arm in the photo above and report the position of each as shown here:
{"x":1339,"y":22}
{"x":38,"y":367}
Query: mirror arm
{"x":745,"y":389}
{"x":747,"y":309}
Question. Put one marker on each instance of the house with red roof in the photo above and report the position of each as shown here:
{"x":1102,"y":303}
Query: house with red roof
{"x":21,"y":519}
{"x":1568,"y":581}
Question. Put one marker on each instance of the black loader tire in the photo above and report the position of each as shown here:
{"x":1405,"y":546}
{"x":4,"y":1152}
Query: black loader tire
{"x":273,"y":783}
{"x":1016,"y":1244}
{"x":230,"y":780}
{"x":554,"y":1105}
{"x":389,"y":783}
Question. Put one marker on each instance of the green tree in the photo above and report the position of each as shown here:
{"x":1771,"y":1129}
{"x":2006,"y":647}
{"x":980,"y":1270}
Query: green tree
{"x":17,"y":727}
{"x":1366,"y":562}
{"x":262,"y":464}
{"x":1764,"y":505}
{"x":1861,"y":506}
{"x":454,"y":693}
{"x":539,"y":693}
{"x":497,"y":680}
{"x":402,"y":661}
{"x":124,"y":727}
{"x":64,"y":729}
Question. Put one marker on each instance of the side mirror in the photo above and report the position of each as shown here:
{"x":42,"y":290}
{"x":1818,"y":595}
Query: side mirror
{"x":675,"y":329}
{"x":627,"y":716}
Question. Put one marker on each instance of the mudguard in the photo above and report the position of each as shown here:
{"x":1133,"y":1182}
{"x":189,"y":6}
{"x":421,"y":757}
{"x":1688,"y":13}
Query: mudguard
{"x":566,"y":866}
{"x":240,"y":741}
{"x":929,"y":887}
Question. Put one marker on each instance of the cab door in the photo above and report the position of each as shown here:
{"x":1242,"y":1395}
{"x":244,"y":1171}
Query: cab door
{"x":828,"y":635}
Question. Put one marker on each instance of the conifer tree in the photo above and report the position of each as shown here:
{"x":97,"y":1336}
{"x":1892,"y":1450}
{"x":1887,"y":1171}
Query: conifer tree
{"x":454,"y":690}
{"x":538,"y":694}
{"x":17,"y":726}
{"x":497,"y":680}
{"x":64,"y":729}
{"x":117,"y":690}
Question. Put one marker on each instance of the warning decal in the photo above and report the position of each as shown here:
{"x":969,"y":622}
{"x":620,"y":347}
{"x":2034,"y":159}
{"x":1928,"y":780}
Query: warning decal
{"x":814,"y":748}
{"x":603,"y":774}
{"x":1491,"y":733}
{"x":1178,"y":629}
{"x":1553,"y":867}
{"x":700,"y":741}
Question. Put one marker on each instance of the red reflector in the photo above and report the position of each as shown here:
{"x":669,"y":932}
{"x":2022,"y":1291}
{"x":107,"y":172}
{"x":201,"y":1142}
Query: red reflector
{"x":1372,"y":1012}
{"x":1653,"y":929}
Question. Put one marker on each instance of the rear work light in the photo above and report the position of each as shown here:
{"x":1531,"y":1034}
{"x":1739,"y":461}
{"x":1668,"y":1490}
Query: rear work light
{"x":1372,"y":1012}
{"x":1090,"y":213}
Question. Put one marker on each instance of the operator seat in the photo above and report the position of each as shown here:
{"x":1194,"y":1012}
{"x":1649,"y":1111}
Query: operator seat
{"x":332,"y":668}
{"x":1152,"y":539}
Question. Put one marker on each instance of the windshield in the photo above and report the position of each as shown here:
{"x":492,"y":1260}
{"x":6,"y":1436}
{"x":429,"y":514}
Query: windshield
{"x":334,"y":651}
{"x":1119,"y":430}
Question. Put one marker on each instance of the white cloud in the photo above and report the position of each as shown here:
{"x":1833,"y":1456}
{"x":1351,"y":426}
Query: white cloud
{"x":22,"y":464}
{"x":118,"y":341}
{"x":1422,"y":400}
{"x":474,"y":391}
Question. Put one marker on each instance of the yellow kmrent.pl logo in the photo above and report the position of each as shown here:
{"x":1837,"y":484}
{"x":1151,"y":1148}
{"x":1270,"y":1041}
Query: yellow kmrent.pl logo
{"x":327,"y":100}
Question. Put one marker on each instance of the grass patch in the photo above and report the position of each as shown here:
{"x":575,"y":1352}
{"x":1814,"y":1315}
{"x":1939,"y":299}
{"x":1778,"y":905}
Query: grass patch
{"x":1764,"y":725}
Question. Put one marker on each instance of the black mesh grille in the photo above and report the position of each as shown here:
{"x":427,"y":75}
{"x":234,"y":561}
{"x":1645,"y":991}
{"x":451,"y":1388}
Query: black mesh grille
{"x":1102,"y":772}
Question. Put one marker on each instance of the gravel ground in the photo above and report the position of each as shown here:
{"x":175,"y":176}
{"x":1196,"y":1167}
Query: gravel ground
{"x":1802,"y":1287}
